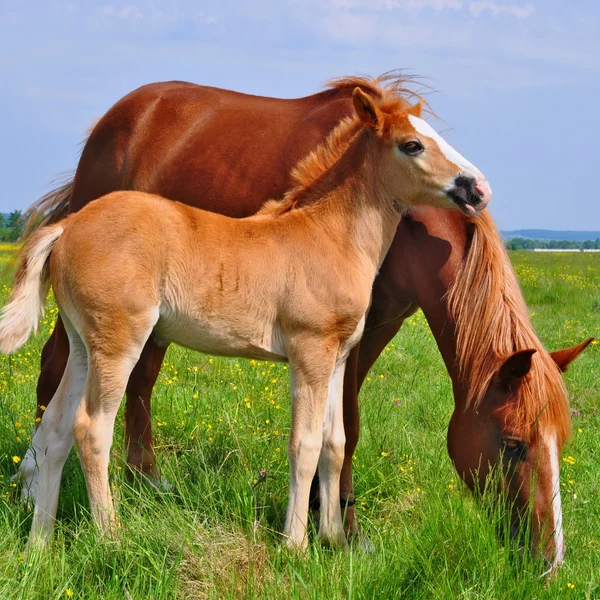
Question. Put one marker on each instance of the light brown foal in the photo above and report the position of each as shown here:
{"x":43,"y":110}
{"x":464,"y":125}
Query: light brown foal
{"x":299,"y":291}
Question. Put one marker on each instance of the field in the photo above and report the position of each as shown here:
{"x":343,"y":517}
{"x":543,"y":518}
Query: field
{"x":221,"y":430}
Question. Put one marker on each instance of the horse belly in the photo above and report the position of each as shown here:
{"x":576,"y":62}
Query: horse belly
{"x":214,"y":335}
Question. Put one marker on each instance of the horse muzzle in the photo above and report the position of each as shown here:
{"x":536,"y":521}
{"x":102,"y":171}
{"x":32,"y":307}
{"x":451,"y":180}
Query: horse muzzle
{"x":469,"y":193}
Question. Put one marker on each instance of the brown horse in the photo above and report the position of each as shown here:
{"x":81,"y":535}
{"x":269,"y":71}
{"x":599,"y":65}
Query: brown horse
{"x":292,"y":283}
{"x":178,"y":139}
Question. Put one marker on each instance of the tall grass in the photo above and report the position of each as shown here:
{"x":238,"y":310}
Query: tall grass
{"x":221,"y":431}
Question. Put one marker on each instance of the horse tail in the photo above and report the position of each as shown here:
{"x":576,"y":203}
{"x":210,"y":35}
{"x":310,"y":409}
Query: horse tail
{"x":49,"y":209}
{"x":26,"y":303}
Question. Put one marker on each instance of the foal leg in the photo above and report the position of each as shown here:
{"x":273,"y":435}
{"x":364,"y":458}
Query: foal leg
{"x":54,"y":439}
{"x":331,"y":530}
{"x":53,"y":363}
{"x":138,"y":425}
{"x":111,"y":361}
{"x":311,"y":372}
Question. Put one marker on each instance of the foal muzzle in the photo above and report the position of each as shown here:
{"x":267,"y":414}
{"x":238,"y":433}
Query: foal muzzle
{"x":470,"y":194}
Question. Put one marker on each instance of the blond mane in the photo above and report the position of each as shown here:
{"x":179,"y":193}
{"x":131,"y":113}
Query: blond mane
{"x":309,"y":175}
{"x":492,"y":322}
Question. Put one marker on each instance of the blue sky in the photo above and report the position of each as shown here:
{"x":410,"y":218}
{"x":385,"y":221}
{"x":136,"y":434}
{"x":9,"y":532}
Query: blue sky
{"x":518,"y":81}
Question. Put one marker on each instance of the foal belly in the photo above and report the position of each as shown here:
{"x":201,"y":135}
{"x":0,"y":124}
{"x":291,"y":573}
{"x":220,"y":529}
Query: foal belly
{"x":213,"y":336}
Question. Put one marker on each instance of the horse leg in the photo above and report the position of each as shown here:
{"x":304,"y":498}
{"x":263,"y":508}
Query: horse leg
{"x":138,"y":424}
{"x":53,"y":363}
{"x":54,"y":439}
{"x":361,"y":359}
{"x":311,"y":374}
{"x":110,"y":365}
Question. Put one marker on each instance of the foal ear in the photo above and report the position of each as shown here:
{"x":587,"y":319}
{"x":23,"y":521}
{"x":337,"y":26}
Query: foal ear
{"x":515,"y":367}
{"x":365,"y":108}
{"x":563,"y":358}
{"x":416,"y":109}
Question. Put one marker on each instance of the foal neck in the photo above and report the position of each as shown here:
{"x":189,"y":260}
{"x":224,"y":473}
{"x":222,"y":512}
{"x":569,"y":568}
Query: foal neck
{"x":352,"y":204}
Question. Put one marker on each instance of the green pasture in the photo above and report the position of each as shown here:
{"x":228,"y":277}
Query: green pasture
{"x":221,"y":429}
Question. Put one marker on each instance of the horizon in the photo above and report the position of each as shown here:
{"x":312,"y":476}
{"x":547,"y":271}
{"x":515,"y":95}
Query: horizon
{"x":518,"y":81}
{"x":593,"y":232}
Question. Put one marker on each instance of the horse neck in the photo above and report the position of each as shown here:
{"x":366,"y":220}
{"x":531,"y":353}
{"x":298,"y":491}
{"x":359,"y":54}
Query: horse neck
{"x":353,"y":207}
{"x":432,"y":246}
{"x":444,"y":332}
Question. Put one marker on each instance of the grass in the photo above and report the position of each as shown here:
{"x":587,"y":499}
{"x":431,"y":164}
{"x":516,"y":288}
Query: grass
{"x":221,"y":430}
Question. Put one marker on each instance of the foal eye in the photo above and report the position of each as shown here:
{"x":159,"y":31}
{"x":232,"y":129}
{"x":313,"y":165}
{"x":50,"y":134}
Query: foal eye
{"x":514,"y":448}
{"x":412,"y":148}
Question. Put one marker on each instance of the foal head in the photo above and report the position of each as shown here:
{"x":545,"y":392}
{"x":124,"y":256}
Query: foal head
{"x":512,"y":413}
{"x":417,"y":166}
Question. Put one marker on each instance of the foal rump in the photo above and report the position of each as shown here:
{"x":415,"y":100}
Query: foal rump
{"x":26,"y":303}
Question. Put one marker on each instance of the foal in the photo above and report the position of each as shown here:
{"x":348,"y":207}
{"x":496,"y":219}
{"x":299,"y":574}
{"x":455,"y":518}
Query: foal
{"x":298,"y":292}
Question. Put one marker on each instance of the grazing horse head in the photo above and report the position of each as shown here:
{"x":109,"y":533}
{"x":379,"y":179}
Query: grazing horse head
{"x":410,"y":162}
{"x":512,"y":413}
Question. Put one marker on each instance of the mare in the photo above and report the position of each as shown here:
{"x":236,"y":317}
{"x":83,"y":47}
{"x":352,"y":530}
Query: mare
{"x":290,"y":283}
{"x":200,"y":144}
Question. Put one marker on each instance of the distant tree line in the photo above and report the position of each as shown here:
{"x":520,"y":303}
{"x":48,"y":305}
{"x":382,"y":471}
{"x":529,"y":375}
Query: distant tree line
{"x":11,"y":226}
{"x":520,"y":243}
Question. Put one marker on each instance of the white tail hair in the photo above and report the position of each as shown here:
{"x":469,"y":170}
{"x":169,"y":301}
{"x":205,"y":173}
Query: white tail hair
{"x":26,"y":303}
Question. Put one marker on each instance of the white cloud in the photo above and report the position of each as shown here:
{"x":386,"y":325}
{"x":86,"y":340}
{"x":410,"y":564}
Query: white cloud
{"x":352,"y":29}
{"x":436,"y":5}
{"x":412,"y":5}
{"x":476,"y":8}
{"x":521,"y":12}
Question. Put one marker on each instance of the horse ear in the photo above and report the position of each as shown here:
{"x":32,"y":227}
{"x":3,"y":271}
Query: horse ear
{"x":416,"y":109}
{"x":563,"y":358}
{"x":515,"y":367}
{"x":365,"y":108}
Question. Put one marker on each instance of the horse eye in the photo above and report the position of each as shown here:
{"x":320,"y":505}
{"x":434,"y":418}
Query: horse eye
{"x":514,"y":448}
{"x":412,"y":148}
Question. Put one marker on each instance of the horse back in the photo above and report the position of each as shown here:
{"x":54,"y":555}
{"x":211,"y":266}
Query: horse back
{"x":216,"y":149}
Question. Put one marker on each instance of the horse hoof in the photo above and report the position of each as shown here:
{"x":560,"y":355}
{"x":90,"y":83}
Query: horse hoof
{"x":366,"y":545}
{"x":362,"y":543}
{"x":160,"y":484}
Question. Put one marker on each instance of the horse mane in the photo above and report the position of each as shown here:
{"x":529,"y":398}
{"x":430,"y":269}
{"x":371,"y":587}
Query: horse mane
{"x":309,"y":176}
{"x":492,"y":322}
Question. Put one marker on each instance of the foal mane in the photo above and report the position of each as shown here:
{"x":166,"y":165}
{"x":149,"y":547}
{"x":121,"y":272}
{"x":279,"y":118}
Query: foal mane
{"x":309,"y":176}
{"x":492,"y":322}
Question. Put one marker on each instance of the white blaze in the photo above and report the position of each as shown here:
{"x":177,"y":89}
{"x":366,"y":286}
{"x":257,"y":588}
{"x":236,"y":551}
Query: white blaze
{"x":559,"y":539}
{"x":448,"y":151}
